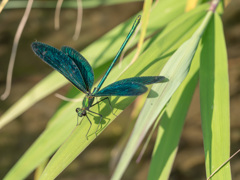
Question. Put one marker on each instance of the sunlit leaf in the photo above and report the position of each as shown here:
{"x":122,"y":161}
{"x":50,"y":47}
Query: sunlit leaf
{"x":176,"y":69}
{"x":214,"y":99}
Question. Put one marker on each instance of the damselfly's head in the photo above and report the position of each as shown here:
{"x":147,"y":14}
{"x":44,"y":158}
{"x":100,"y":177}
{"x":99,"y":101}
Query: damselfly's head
{"x":81,"y":112}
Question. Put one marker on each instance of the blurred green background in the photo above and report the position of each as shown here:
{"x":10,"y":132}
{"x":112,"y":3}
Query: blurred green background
{"x":98,"y":160}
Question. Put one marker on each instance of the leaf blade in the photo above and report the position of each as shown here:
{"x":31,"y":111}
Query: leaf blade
{"x":171,"y":124}
{"x":176,"y":69}
{"x":214,"y":100}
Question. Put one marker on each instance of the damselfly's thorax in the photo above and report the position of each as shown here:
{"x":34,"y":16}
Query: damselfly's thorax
{"x":87,"y":101}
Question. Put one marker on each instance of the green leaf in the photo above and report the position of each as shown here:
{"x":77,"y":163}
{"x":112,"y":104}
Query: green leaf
{"x":176,"y":69}
{"x":214,"y":99}
{"x":171,"y":124}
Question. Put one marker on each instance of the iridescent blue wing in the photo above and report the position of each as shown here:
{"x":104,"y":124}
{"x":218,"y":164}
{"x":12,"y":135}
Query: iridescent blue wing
{"x":122,"y":89}
{"x":61,"y":62}
{"x":82,"y":64}
{"x":144,"y":80}
{"x":129,"y":87}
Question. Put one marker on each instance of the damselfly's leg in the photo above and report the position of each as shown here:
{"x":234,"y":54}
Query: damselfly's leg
{"x":99,"y":121}
{"x":89,"y":127}
{"x":99,"y":101}
{"x":108,"y":102}
{"x":80,"y":121}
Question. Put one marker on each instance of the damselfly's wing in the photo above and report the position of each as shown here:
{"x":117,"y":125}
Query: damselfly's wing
{"x":144,"y":80}
{"x":122,"y":89}
{"x":82,"y":64}
{"x":60,"y":62}
{"x":130,"y":87}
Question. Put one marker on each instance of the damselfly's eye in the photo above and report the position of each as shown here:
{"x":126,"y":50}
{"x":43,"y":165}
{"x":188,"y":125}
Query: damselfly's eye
{"x":78,"y":109}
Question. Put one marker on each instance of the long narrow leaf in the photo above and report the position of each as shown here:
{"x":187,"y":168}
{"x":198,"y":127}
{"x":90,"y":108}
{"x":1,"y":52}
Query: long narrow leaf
{"x":171,"y":124}
{"x":214,"y":99}
{"x":176,"y":69}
